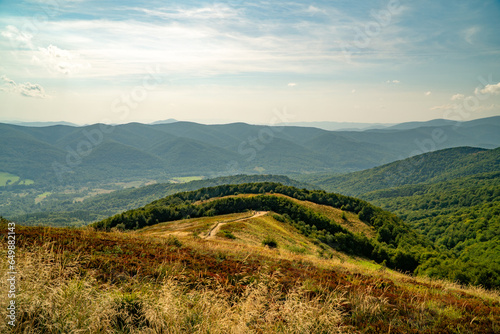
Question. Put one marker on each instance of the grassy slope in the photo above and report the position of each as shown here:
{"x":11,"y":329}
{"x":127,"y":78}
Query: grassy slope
{"x":247,"y":231}
{"x":72,"y":279}
{"x":395,"y":244}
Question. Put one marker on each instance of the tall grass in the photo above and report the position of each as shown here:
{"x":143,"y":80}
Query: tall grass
{"x":56,"y":297}
{"x":83,"y":281}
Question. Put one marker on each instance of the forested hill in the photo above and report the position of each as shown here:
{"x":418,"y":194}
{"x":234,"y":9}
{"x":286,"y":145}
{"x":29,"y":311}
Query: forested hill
{"x":450,"y":196}
{"x":474,"y":260}
{"x":431,"y":167}
{"x":394,"y":244}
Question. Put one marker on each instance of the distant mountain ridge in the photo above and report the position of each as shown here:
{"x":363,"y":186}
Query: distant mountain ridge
{"x":40,"y":124}
{"x":99,"y":152}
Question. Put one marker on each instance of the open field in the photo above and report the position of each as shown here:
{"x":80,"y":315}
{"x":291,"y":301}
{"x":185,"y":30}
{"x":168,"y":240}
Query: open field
{"x":9,"y":179}
{"x":184,"y":179}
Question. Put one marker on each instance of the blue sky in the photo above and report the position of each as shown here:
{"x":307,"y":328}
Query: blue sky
{"x":223,"y":61}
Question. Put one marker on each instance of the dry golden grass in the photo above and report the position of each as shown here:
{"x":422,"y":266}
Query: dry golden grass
{"x":55,"y":299}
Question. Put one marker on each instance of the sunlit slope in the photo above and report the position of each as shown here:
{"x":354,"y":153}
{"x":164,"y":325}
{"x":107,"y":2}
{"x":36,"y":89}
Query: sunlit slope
{"x":248,"y":229}
{"x":341,"y":223}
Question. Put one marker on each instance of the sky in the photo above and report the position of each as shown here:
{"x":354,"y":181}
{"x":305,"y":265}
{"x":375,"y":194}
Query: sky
{"x":248,"y":61}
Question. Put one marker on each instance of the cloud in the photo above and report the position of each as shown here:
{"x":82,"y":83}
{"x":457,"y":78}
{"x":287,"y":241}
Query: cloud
{"x":313,"y":10}
{"x":16,"y":36}
{"x":458,"y":97}
{"x":449,"y":106}
{"x":217,"y":11}
{"x":292,"y":84}
{"x":428,"y":93}
{"x":470,"y":33}
{"x":353,"y":91}
{"x":490,"y":89}
{"x":488,"y":107}
{"x":59,"y":60}
{"x":396,"y":82}
{"x":25,"y":89}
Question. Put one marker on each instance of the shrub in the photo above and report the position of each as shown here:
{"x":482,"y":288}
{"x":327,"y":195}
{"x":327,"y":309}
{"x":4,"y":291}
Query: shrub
{"x":120,"y":227}
{"x":227,"y":235}
{"x":173,"y":241}
{"x":270,"y":242}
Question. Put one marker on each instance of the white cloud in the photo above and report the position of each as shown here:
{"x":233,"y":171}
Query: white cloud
{"x":18,"y":37}
{"x":59,"y":60}
{"x":470,"y":33}
{"x":458,"y":97}
{"x":490,"y":89}
{"x":292,"y":84}
{"x":488,"y":107}
{"x":26,"y":89}
{"x":353,"y":91}
{"x":217,"y":11}
{"x":428,"y":93}
{"x":396,"y":82}
{"x":312,"y":9}
{"x":120,"y":48}
{"x":449,"y":106}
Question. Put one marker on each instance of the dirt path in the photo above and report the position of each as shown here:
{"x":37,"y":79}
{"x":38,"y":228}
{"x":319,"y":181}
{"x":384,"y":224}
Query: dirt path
{"x":215,"y":229}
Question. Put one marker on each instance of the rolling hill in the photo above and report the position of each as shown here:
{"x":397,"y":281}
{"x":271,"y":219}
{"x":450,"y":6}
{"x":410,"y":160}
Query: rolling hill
{"x":427,"y":168}
{"x":389,"y":240}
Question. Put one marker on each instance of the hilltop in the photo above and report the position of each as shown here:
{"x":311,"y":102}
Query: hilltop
{"x":395,"y":244}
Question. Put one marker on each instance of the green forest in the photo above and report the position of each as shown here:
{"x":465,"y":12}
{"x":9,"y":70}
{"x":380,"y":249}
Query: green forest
{"x":451,"y":196}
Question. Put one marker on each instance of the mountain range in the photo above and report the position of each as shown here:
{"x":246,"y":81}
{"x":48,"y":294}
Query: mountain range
{"x":97,"y":153}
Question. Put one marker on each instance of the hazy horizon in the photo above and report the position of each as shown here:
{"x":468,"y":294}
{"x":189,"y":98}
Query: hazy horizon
{"x":223,"y":122}
{"x":391,"y":61}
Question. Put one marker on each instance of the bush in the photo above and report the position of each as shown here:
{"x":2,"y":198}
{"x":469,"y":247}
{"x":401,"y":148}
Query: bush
{"x":173,"y":241}
{"x":120,"y":227}
{"x":227,"y":235}
{"x":269,"y":242}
